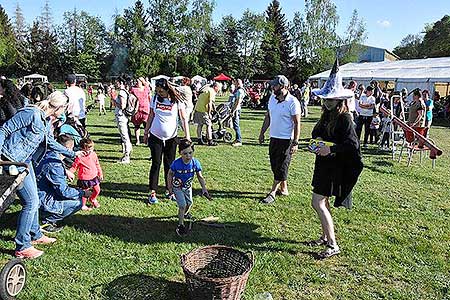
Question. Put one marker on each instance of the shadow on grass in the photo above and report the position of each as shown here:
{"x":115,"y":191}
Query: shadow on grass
{"x":158,"y":230}
{"x":142,"y":287}
{"x":140,"y":192}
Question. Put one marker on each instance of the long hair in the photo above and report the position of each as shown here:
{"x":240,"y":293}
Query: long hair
{"x":11,"y":100}
{"x":329,"y":119}
{"x":54,"y":100}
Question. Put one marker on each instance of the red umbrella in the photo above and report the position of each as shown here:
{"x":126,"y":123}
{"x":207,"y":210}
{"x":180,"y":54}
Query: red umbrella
{"x":222,"y":77}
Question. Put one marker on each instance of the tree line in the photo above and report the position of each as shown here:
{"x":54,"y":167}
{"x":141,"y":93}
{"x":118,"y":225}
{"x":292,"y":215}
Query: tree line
{"x":179,"y":38}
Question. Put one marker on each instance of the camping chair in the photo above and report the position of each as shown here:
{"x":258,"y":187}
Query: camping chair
{"x":413,"y":144}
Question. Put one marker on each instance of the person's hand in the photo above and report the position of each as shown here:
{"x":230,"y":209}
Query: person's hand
{"x":70,"y":175}
{"x":294,"y":149}
{"x":324,"y":150}
{"x":80,"y":153}
{"x":261,"y":138}
{"x":145,"y":137}
{"x":87,"y":193}
{"x":206,"y":195}
{"x":100,"y":177}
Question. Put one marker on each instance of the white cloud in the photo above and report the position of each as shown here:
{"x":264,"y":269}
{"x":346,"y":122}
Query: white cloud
{"x":384,"y":23}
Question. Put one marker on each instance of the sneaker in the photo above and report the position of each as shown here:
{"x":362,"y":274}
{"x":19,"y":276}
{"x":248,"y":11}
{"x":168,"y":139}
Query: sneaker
{"x":29,"y":253}
{"x":44,"y":240}
{"x":319,"y":242}
{"x":329,"y":251}
{"x":152,"y":199}
{"x":188,"y":216}
{"x":236,"y":144}
{"x":51,"y":228}
{"x":167,"y":194}
{"x":181,"y":230}
{"x":86,"y":208}
{"x":95,"y":204}
{"x":268,"y":200}
{"x":124,"y":160}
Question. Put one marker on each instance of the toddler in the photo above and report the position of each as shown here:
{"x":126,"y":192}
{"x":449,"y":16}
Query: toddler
{"x":374,"y":127}
{"x":89,"y":172}
{"x":179,"y":180}
{"x":387,"y":129}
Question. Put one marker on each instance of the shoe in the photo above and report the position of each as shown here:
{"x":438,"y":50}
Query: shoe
{"x":86,"y":208}
{"x":212,"y":143}
{"x":44,"y":240}
{"x":137,"y":143}
{"x":167,"y":194}
{"x":124,"y":160}
{"x":181,"y":230}
{"x":95,"y":204}
{"x":188,"y":216}
{"x":329,"y":251}
{"x":236,"y":144}
{"x":51,"y":228}
{"x":268,"y":200}
{"x":152,"y":199}
{"x":29,"y":253}
{"x":280,"y":193}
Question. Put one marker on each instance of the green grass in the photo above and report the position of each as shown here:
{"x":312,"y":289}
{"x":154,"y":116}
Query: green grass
{"x":395,"y":241}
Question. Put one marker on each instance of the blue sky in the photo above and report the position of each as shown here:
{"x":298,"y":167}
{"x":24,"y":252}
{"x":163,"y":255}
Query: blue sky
{"x":387,"y":21}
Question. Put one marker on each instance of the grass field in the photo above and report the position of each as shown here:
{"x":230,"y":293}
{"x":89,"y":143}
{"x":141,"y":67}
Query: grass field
{"x":395,"y":241}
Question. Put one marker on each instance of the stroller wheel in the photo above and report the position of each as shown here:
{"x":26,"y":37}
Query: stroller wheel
{"x":12,"y":279}
{"x":227,"y":137}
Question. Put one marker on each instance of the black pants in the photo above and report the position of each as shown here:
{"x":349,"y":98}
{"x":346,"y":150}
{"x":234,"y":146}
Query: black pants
{"x":385,"y":139}
{"x":83,"y":122}
{"x":159,"y":148}
{"x":280,"y":158}
{"x":363,"y":121}
{"x":373,"y":136}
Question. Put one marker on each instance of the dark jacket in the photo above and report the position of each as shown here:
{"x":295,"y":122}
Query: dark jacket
{"x":52,"y":184}
{"x":339,"y":170}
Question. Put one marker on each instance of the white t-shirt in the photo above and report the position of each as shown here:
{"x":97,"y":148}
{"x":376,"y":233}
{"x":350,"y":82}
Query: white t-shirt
{"x":165,"y":121}
{"x":77,"y":102}
{"x":121,"y":95}
{"x":101,"y":99}
{"x":366,"y":112}
{"x":281,"y":124}
{"x":351,"y":104}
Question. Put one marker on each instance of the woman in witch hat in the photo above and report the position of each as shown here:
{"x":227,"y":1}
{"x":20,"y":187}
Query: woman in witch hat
{"x":338,"y":162}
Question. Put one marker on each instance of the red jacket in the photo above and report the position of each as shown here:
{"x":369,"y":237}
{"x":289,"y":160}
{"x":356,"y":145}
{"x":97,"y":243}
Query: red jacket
{"x":88,"y":167}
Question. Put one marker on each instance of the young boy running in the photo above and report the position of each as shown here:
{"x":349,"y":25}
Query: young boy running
{"x":180,"y":178}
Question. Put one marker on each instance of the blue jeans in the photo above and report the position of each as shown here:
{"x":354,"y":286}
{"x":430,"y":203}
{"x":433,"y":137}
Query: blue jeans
{"x":69,"y":207}
{"x":28,"y":221}
{"x":236,"y":127}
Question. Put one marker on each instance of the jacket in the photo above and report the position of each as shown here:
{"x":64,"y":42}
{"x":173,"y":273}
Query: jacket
{"x":52,"y":184}
{"x":28,"y":135}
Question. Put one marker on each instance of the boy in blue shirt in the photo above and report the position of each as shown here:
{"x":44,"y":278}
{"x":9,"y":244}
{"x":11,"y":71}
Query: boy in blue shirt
{"x":179,"y":180}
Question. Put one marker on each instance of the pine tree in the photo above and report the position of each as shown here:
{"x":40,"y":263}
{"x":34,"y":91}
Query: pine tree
{"x":7,"y":43}
{"x":46,"y":18}
{"x":230,"y":57}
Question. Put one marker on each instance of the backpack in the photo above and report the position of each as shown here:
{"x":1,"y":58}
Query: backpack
{"x":132,"y":105}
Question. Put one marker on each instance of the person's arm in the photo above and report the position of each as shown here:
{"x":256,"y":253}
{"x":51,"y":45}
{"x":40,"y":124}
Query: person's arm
{"x":237,"y":101}
{"x":151,"y":115}
{"x":99,"y":168}
{"x":20,"y":120}
{"x":296,"y":120}
{"x":350,"y":142}
{"x":123,"y":101}
{"x":420,"y":114}
{"x":202,"y":182}
{"x":184,"y":120}
{"x":266,"y":124}
{"x":56,"y":176}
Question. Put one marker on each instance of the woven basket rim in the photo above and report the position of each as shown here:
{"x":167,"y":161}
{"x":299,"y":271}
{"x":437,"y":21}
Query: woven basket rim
{"x":218,"y":280}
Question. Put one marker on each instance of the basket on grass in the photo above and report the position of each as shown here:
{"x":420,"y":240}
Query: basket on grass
{"x":216,"y":272}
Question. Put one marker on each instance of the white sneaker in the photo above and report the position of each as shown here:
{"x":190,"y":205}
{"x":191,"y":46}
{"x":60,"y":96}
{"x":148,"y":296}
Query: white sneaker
{"x":124,"y":160}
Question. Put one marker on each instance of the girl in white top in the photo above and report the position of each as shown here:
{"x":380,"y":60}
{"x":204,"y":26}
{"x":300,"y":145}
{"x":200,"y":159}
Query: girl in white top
{"x":101,"y":102}
{"x":161,"y":132}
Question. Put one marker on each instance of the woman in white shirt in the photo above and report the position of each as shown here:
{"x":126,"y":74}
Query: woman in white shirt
{"x":366,"y":104}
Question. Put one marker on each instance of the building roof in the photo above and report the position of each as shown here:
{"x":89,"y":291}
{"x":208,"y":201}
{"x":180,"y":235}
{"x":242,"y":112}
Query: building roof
{"x":413,"y":70}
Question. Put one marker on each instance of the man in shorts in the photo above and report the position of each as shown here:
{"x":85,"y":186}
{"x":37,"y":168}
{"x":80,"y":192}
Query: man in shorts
{"x":203,"y":111}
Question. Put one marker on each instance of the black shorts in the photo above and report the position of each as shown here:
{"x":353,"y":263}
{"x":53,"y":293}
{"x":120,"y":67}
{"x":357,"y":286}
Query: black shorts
{"x":280,"y":158}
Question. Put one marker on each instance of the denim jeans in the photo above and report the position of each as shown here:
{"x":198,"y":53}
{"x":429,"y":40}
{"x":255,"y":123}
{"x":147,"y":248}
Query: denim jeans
{"x":236,"y":125}
{"x":28,"y":221}
{"x":69,"y":208}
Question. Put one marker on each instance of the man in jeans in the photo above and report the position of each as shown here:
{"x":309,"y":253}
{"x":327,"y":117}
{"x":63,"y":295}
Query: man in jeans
{"x":283,"y":118}
{"x":239,"y":94}
{"x":57,"y":199}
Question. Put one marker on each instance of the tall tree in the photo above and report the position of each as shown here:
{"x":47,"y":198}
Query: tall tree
{"x":436,"y":41}
{"x":230,"y":56}
{"x":21,"y":32}
{"x":352,"y":43}
{"x":46,"y":18}
{"x":211,"y":54}
{"x":7,"y":42}
{"x":410,"y":47}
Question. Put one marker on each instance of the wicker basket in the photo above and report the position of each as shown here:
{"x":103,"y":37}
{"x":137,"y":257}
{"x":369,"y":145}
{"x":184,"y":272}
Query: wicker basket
{"x":216,"y":272}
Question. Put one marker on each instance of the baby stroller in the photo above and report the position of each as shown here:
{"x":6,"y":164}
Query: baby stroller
{"x":13,"y":274}
{"x":222,"y":117}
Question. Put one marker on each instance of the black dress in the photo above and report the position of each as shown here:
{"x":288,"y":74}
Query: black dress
{"x":337,"y":173}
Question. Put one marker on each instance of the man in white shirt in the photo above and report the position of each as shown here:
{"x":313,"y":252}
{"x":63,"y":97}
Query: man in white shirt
{"x":366,"y":104}
{"x":283,"y":118}
{"x":76,"y":107}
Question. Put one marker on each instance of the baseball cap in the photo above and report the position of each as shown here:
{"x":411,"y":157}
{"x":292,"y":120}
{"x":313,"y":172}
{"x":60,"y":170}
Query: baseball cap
{"x":71,"y":78}
{"x":279,"y":80}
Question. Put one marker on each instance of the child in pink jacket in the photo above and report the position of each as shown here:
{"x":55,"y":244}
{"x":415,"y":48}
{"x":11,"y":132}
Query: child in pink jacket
{"x":89,"y":172}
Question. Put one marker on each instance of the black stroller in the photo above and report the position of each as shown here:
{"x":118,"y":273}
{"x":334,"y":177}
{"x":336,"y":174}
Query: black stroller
{"x":222,"y":117}
{"x":13,"y":274}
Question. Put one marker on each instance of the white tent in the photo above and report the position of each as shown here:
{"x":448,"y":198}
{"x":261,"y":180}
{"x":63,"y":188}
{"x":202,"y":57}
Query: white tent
{"x":203,"y":80}
{"x":35,"y":77}
{"x":410,"y":74}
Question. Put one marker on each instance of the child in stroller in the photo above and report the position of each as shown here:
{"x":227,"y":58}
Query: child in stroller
{"x":222,"y":117}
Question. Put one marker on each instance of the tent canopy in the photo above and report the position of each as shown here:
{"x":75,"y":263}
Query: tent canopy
{"x":222,"y":77}
{"x":198,"y":78}
{"x":410,"y":74}
{"x":35,"y":77}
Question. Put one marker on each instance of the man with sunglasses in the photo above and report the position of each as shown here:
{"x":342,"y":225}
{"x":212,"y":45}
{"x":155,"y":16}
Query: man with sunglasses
{"x":283,"y":118}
